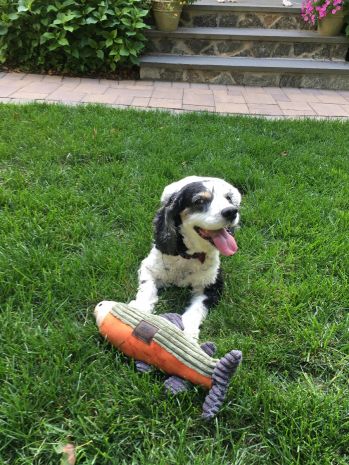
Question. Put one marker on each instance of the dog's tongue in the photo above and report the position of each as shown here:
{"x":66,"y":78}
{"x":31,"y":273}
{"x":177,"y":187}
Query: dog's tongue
{"x":224,"y":241}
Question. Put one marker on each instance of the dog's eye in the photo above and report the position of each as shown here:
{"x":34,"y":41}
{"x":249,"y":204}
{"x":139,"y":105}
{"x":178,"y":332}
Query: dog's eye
{"x":229,"y":197}
{"x":199,"y":200}
{"x":202,"y":198}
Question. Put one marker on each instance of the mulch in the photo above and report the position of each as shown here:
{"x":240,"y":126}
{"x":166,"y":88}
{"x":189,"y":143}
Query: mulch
{"x":122,"y":73}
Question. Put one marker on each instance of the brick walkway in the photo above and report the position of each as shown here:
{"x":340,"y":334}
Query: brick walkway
{"x":278,"y":102}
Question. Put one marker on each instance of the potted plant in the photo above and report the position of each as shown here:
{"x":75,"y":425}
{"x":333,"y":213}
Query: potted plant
{"x":326,"y":14}
{"x":346,"y":17}
{"x":167,"y":13}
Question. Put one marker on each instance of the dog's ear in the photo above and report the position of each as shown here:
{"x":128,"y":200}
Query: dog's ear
{"x":165,"y":224}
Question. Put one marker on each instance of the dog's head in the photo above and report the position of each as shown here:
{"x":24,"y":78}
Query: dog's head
{"x":196,"y":215}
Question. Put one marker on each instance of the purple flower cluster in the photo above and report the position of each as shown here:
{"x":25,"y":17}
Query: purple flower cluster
{"x":316,"y":10}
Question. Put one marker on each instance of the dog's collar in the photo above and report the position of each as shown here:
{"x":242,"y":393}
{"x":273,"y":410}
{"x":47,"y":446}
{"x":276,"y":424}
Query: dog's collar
{"x":201,"y":256}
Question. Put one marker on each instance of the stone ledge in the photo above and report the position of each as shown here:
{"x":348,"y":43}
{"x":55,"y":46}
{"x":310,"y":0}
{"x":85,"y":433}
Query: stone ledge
{"x":277,"y":35}
{"x":246,"y":78}
{"x":284,"y":65}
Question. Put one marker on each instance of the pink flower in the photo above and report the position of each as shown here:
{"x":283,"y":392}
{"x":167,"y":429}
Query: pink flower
{"x":315,"y":10}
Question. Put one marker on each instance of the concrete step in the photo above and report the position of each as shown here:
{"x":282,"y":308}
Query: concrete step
{"x":248,"y":42}
{"x":269,"y":14}
{"x":285,"y":72}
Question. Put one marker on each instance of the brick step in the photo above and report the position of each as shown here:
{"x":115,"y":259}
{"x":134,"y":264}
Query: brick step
{"x":248,"y":42}
{"x":285,"y":72}
{"x":244,"y":13}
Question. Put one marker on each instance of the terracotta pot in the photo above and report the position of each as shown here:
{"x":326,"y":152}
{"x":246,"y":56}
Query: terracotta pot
{"x":331,"y":25}
{"x":166,"y":14}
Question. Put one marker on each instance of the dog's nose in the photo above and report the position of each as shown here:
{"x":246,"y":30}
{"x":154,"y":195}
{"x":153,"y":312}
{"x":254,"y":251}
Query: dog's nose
{"x":229,"y":213}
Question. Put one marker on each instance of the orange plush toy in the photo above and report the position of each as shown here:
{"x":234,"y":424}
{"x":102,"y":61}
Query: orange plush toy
{"x":159,"y":341}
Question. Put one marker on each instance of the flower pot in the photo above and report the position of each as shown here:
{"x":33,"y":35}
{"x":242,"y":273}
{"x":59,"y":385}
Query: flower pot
{"x":331,"y":25}
{"x":166,"y":14}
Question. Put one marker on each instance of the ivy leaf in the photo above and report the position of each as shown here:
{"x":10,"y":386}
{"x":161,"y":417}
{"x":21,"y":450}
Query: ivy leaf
{"x":75,"y":53}
{"x":68,"y":3}
{"x":91,"y":20}
{"x":3,"y":29}
{"x":63,"y":41}
{"x":64,"y":18}
{"x":88,"y":10}
{"x":92,"y":43}
{"x":51,"y":8}
{"x":53,"y":46}
{"x":46,"y":36}
{"x":123,"y":52}
{"x":23,"y":5}
{"x":134,"y":60}
{"x":13,"y":16}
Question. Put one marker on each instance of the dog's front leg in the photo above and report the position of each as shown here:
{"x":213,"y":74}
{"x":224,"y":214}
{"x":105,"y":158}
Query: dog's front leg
{"x":147,"y":294}
{"x":203,"y":299}
{"x":194,"y":315}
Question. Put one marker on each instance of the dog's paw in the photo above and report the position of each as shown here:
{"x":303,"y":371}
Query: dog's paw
{"x":192,"y":334}
{"x":190,"y":324}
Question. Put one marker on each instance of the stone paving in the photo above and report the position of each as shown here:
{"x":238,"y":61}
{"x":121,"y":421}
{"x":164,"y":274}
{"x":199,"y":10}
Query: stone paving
{"x":175,"y":96}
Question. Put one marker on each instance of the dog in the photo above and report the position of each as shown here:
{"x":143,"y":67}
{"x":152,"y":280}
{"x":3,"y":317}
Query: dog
{"x":192,"y":227}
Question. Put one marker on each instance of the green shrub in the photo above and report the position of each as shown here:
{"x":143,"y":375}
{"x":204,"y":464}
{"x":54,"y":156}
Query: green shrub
{"x":71,"y":35}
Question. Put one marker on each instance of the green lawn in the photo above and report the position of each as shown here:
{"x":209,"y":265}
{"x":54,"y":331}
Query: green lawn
{"x":78,"y":191}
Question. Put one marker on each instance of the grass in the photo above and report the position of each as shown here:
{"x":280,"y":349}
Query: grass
{"x":79,"y":188}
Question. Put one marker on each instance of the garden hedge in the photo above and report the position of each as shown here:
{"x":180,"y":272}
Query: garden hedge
{"x":71,"y":36}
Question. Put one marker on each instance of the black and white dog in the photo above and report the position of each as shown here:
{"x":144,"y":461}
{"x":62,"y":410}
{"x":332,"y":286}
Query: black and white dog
{"x":191,"y":229}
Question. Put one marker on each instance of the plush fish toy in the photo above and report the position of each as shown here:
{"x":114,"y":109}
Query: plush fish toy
{"x":159,"y":341}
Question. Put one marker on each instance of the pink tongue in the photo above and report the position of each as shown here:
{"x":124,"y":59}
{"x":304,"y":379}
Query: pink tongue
{"x":224,"y":241}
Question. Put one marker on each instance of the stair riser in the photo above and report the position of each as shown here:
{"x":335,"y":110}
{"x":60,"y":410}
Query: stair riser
{"x":246,"y":48}
{"x":247,"y":78}
{"x":207,"y":18}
